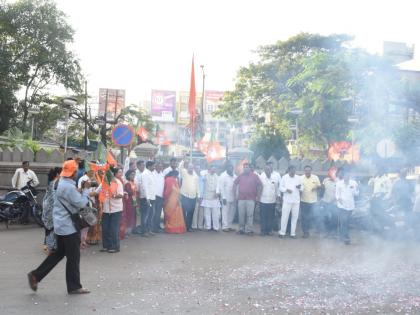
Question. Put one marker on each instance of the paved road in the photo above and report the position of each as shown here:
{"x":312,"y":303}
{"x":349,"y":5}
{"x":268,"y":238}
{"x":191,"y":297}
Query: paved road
{"x":218,"y":273}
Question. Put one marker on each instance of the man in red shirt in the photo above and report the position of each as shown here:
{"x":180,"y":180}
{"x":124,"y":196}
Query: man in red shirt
{"x":247,"y":190}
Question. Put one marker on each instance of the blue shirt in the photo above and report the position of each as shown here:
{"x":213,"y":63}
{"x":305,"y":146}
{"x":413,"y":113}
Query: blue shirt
{"x":68,"y":194}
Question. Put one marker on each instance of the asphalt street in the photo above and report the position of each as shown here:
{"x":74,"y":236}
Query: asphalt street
{"x":218,"y":273}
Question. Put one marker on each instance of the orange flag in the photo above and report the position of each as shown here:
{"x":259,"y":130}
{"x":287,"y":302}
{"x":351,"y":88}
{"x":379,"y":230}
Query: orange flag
{"x":143,"y":133}
{"x":162,"y":139}
{"x":214,"y":151}
{"x":191,"y":101}
{"x":110,"y":159}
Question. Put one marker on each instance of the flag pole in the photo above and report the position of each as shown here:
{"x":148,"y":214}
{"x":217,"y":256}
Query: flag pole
{"x":191,"y":141}
{"x":192,"y":108}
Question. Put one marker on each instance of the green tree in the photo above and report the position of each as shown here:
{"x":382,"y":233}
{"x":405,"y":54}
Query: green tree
{"x":34,"y":43}
{"x":321,"y":78}
{"x":304,"y":72}
{"x":268,"y":145}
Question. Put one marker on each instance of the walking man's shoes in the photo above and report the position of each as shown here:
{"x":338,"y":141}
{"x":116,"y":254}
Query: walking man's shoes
{"x":79,"y":291}
{"x":33,"y":283}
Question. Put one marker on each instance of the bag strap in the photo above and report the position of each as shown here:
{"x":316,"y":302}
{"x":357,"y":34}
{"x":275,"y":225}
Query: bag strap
{"x":67,"y":209}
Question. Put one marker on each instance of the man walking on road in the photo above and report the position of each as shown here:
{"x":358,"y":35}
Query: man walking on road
{"x":247,"y":190}
{"x":68,"y":199}
{"x":311,"y":184}
{"x":290,"y":186}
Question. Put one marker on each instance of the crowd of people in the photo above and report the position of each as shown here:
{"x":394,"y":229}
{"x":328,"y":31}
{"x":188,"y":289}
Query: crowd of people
{"x":192,"y":199}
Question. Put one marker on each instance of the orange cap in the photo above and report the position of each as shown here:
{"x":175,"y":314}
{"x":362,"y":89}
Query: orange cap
{"x":69,"y":167}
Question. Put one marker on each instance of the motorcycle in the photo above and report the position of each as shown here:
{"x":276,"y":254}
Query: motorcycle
{"x":19,"y":205}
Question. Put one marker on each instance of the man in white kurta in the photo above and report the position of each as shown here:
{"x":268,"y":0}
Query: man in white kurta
{"x":211,"y":203}
{"x":290,"y":186}
{"x":225,"y":190}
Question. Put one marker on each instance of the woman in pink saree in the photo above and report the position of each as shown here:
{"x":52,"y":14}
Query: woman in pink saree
{"x":174,"y":217}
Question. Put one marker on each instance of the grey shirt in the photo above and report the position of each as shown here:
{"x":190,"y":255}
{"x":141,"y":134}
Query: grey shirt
{"x":68,"y":194}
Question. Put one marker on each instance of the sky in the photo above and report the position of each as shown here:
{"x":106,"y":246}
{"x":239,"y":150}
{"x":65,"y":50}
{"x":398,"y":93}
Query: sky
{"x":144,"y":45}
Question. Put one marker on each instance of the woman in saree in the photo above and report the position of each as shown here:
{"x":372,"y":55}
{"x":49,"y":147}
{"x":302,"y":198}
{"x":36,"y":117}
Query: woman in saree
{"x":174,"y":217}
{"x":94,"y":234}
{"x":128,"y":219}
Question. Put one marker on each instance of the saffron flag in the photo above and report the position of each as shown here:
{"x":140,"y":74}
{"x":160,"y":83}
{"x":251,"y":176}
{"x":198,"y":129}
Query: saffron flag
{"x":215,"y":152}
{"x":143,"y":133}
{"x":110,"y":159}
{"x":161,"y":138}
{"x":191,"y":102}
{"x":344,"y":151}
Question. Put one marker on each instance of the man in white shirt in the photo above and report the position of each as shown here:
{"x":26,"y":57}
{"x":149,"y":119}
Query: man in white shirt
{"x":24,"y":175}
{"x":382,"y":187}
{"x":274,"y":174}
{"x":147,"y":202}
{"x":346,"y":190}
{"x":159,"y":185}
{"x":291,"y":186}
{"x":329,"y":204}
{"x":210,"y":202}
{"x":270,"y":184}
{"x":198,"y":217}
{"x":225,"y":190}
{"x":140,"y":191}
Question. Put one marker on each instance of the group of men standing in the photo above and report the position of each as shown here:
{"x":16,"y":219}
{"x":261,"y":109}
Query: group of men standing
{"x":209,"y":201}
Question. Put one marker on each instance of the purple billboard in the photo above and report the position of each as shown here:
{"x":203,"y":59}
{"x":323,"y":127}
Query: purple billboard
{"x":163,"y":105}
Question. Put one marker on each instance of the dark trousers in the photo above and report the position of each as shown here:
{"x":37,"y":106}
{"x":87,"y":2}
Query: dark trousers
{"x":67,"y":246}
{"x":267,"y":217}
{"x":344,"y":224}
{"x":157,"y":214}
{"x":331,"y":213}
{"x":110,"y":230}
{"x":306,"y":210}
{"x":188,"y":207}
{"x":146,"y":211}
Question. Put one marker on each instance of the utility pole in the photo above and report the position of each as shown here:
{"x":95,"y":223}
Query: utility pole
{"x":115,"y":108}
{"x":202,"y":96}
{"x":103,"y":135}
{"x":86,"y":118}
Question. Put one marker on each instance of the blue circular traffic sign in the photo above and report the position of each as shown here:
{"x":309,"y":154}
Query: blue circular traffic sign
{"x":123,"y":135}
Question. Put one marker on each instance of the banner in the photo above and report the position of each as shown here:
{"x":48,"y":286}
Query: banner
{"x":183,"y":116}
{"x":113,"y":100}
{"x":163,"y":105}
{"x":212,"y":101}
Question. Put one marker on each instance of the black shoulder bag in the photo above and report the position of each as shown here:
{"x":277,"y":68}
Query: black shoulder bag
{"x":84,"y":218}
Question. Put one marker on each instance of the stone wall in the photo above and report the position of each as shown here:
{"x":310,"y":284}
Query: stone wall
{"x":40,"y":162}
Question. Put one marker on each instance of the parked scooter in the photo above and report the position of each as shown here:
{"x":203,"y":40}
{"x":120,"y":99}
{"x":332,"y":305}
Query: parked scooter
{"x":18,"y":206}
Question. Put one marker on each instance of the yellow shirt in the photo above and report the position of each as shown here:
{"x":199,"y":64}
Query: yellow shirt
{"x":189,"y":186}
{"x":310,"y":194}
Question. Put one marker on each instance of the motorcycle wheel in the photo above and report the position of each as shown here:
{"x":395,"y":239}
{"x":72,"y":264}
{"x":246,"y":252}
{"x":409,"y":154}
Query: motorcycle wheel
{"x":37,"y":214}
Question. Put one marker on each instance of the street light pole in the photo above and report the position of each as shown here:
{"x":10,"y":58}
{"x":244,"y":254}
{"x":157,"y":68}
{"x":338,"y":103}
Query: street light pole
{"x":67,"y":130}
{"x":202,"y":96}
{"x":86,"y":117}
{"x":67,"y":103}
